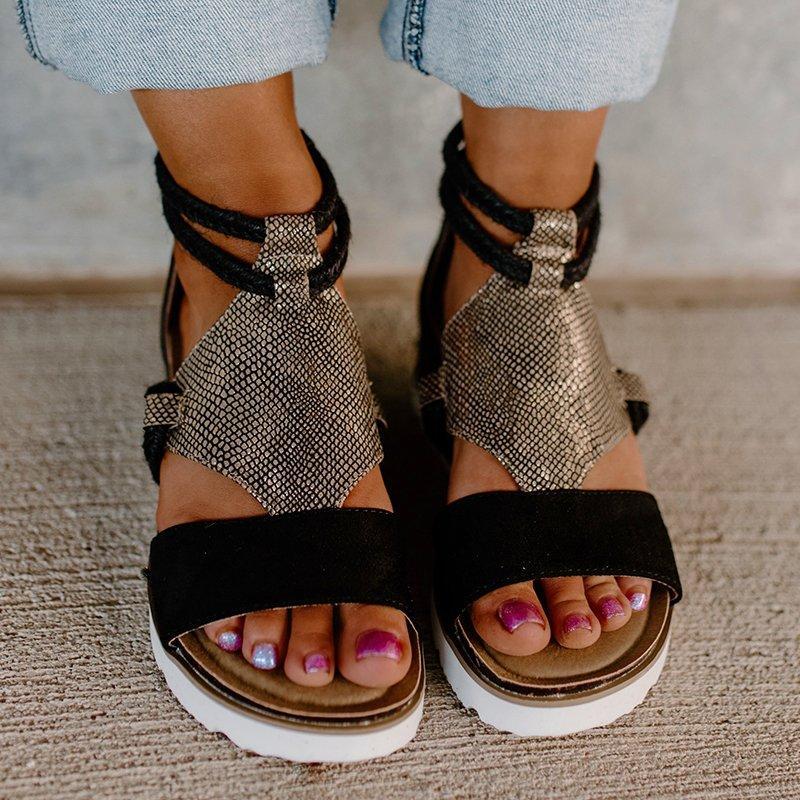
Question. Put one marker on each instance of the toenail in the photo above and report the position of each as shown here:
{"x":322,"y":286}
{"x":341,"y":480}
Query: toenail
{"x":514,"y":613}
{"x":230,"y":641}
{"x":265,"y":656}
{"x":638,"y":600}
{"x":577,"y":622}
{"x":378,"y":643}
{"x":316,"y":662}
{"x":610,"y":607}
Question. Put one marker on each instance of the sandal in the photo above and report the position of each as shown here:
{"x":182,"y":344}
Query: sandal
{"x":521,"y":371}
{"x":275,"y":396}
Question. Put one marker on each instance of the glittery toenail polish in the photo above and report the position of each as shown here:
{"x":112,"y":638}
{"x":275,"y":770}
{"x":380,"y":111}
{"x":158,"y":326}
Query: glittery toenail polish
{"x":638,"y":600}
{"x":265,"y":656}
{"x":230,"y":641}
{"x":576,"y":622}
{"x":316,"y":662}
{"x":610,"y":607}
{"x":514,"y":613}
{"x":378,"y":643}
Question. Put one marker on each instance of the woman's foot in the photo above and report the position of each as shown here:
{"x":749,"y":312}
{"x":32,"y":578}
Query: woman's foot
{"x":575,"y":610}
{"x":371,"y":646}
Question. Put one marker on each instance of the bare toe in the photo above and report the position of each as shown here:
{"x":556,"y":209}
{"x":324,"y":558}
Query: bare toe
{"x":637,"y":590}
{"x":264,"y":639}
{"x":512,"y":620}
{"x":226,"y":633}
{"x":309,"y":656}
{"x":572,"y":621}
{"x":608,"y":602}
{"x":374,"y":647}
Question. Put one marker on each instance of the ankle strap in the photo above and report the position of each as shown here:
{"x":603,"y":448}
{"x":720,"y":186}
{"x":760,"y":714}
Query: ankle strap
{"x":181,"y":205}
{"x":459,"y":183}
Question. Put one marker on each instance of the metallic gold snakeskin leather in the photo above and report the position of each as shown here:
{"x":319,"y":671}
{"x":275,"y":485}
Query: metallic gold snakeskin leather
{"x":633,"y":387}
{"x":430,"y":387}
{"x":162,"y":408}
{"x":525,"y":373}
{"x":275,"y":395}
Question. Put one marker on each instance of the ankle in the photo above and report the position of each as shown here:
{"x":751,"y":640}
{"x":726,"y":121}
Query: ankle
{"x":205,"y":297}
{"x":531,"y":158}
{"x":257,"y":163}
{"x":467,"y":273}
{"x":288,"y":184}
{"x":289,"y":189}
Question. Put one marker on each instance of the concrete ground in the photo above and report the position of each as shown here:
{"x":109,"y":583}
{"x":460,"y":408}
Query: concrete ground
{"x":85,"y":714}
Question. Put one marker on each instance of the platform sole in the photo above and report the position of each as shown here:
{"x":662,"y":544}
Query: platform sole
{"x":292,"y":742}
{"x":544,"y":717}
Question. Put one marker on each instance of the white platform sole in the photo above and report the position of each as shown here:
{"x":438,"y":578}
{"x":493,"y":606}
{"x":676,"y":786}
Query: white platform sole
{"x":547,"y":717}
{"x":253,"y":732}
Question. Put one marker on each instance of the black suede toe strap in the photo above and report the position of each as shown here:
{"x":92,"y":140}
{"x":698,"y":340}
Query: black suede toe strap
{"x":489,"y":540}
{"x":200,"y":572}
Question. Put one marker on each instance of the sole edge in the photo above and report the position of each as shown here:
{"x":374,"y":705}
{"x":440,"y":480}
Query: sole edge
{"x":545,"y":718}
{"x":280,"y":741}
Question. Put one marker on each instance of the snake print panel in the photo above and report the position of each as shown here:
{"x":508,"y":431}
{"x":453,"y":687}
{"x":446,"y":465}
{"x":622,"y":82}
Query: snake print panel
{"x":275,"y":396}
{"x":525,"y":373}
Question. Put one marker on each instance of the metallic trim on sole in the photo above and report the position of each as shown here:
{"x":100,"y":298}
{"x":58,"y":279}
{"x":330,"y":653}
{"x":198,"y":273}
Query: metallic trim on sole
{"x":273,"y":737}
{"x":559,"y":716}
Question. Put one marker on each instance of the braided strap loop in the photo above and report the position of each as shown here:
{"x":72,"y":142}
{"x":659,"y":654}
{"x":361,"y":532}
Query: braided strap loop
{"x":181,"y":208}
{"x":161,"y":415}
{"x":475,"y":191}
{"x":460,"y":183}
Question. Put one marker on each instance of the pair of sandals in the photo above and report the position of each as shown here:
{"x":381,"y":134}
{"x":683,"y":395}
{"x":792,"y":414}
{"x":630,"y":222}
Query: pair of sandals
{"x":276,"y":397}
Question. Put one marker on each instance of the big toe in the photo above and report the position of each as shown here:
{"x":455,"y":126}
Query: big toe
{"x":374,"y":648}
{"x":512,"y":620}
{"x":309,"y":656}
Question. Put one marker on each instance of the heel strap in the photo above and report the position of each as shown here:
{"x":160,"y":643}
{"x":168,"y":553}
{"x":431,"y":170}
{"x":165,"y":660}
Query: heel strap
{"x":459,"y":183}
{"x":181,"y":205}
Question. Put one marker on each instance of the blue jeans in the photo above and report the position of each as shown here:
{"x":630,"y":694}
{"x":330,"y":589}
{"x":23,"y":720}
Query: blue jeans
{"x":547,"y":54}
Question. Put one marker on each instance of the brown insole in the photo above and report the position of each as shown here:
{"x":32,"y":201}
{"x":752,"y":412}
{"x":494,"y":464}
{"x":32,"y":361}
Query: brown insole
{"x":558,"y":668}
{"x":273,"y":691}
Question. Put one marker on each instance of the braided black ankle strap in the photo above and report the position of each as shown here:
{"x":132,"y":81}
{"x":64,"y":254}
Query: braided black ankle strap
{"x":459,"y":183}
{"x":181,"y":205}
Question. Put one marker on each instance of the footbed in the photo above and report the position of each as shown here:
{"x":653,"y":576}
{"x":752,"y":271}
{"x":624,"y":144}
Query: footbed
{"x":558,"y":670}
{"x":274,"y":692}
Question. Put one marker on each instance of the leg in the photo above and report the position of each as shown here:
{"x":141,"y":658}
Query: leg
{"x":241,"y":147}
{"x":538,"y":159}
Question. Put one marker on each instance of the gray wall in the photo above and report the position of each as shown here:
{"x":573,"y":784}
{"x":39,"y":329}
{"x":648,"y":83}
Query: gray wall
{"x":701,"y":179}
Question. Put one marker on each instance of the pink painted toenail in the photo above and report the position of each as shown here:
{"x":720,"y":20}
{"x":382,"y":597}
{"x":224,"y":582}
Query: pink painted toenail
{"x":378,"y":643}
{"x":610,"y":607}
{"x":316,"y":662}
{"x":230,"y":641}
{"x":638,"y":600}
{"x":577,"y":622}
{"x":514,"y":613}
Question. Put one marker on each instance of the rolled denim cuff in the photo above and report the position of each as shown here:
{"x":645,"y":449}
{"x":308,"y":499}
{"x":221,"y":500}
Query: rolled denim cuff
{"x":162,"y":44}
{"x":550,"y":54}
